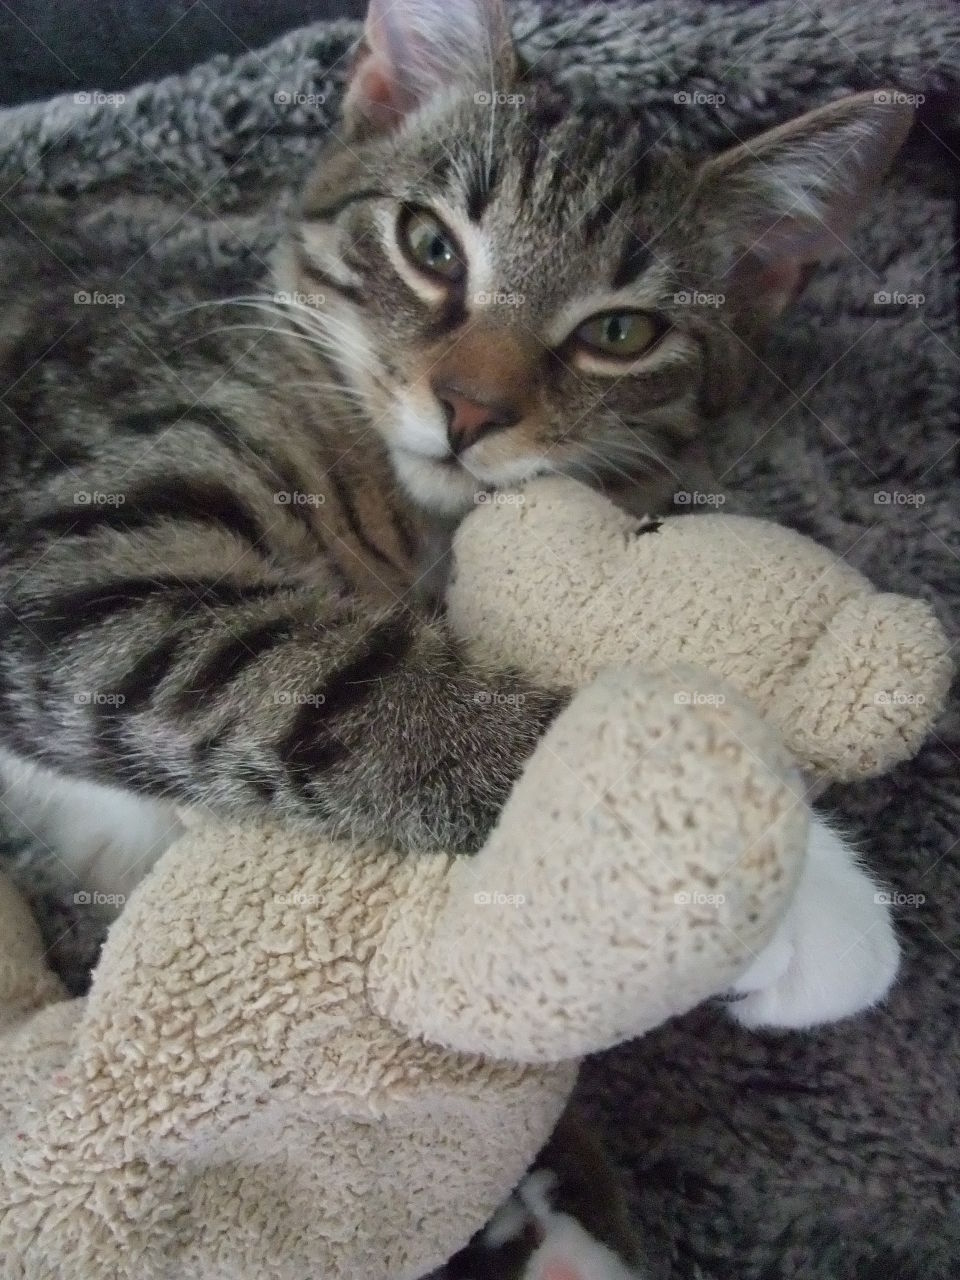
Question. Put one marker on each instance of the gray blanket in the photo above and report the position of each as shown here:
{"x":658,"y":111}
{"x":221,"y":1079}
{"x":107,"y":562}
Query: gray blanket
{"x":820,"y":1156}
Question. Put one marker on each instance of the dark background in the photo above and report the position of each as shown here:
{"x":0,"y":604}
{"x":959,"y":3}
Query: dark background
{"x":62,"y":46}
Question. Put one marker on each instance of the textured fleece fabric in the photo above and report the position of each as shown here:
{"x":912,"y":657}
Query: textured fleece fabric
{"x":300,"y":1056}
{"x":826,"y":1156}
{"x":823,"y":656}
{"x":303,"y":1058}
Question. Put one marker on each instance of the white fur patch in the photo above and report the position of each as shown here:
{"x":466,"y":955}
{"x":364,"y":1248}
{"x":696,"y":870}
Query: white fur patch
{"x":835,"y":952}
{"x":419,"y":426}
{"x":107,"y":839}
{"x":567,"y":1251}
{"x":446,"y":489}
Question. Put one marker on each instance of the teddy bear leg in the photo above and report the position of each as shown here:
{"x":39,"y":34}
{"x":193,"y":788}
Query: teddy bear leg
{"x":834,"y":953}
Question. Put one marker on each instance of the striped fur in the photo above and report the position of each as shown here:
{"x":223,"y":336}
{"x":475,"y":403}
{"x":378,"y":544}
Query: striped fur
{"x":209,"y":583}
{"x":216,"y":532}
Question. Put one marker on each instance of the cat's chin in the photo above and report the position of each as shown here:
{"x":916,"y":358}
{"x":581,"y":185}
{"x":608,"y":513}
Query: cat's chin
{"x":445,"y":486}
{"x":435,"y":483}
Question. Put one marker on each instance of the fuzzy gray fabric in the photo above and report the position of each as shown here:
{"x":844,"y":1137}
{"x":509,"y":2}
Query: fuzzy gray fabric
{"x":821,"y":1156}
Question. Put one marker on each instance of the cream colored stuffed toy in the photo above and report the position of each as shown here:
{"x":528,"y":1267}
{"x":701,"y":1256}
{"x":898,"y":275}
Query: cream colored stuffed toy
{"x":301,"y":1058}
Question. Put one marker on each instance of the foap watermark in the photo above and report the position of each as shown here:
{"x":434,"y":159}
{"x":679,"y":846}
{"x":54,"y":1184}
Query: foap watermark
{"x":898,"y":498}
{"x":498,"y":498}
{"x":694,"y":498}
{"x":286,"y":498}
{"x":488,"y":98}
{"x":97,"y":298}
{"x":697,"y":298}
{"x":294,"y":698}
{"x":294,"y":98}
{"x":697,"y":98}
{"x":97,"y":498}
{"x":94,"y":698}
{"x":491,"y":898}
{"x":499,"y":298}
{"x":696,"y":898}
{"x":298,"y":299}
{"x":93,"y":898}
{"x":297,"y":898}
{"x":694,"y":698}
{"x":97,"y":98}
{"x":890,"y":96}
{"x":495,"y":698}
{"x":893,"y":898}
{"x":897,"y":298}
{"x":898,"y":698}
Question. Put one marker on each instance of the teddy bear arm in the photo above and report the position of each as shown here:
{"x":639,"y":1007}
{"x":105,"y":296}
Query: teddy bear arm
{"x":646,"y":854}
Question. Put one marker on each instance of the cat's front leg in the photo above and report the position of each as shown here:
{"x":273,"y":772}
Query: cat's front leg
{"x":835,"y":952}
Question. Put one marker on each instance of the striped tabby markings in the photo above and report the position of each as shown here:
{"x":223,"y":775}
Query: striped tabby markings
{"x":311,"y":745}
{"x":231,"y":658}
{"x":181,"y":497}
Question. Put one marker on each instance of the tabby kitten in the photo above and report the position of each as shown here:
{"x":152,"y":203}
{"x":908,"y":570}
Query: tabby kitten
{"x":216,"y":511}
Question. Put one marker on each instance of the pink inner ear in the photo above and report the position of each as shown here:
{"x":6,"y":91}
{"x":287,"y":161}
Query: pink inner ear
{"x":557,"y":1269}
{"x":377,"y":93}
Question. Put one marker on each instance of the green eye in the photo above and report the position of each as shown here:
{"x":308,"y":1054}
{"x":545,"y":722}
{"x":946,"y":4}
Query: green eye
{"x":621,"y":334}
{"x":430,"y":246}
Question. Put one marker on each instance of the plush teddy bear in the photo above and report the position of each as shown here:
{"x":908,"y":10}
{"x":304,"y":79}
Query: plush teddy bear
{"x":303,"y":1058}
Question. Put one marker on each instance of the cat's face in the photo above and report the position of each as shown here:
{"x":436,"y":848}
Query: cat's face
{"x":512,"y":286}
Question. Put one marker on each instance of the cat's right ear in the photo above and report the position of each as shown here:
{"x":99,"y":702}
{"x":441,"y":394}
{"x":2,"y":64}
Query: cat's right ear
{"x":784,"y":201}
{"x":414,"y":50}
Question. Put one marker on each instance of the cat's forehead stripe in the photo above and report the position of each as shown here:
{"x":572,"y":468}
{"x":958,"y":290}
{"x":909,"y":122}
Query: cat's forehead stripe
{"x":634,"y":260}
{"x":481,"y":185}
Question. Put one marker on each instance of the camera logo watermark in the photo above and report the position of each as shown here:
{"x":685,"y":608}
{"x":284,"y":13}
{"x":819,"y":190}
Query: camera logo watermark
{"x":894,"y":899}
{"x":694,"y":498}
{"x":97,"y":98}
{"x":499,"y":298}
{"x":285,"y":498}
{"x":487,"y":99}
{"x":96,"y":699}
{"x":84,"y":898}
{"x":693,"y":698}
{"x":898,"y":698}
{"x":891,"y":96}
{"x":897,"y":298}
{"x":294,"y":98}
{"x":298,"y":299}
{"x":695,"y":298}
{"x":494,"y":698}
{"x":297,"y":898}
{"x":694,"y":898}
{"x":96,"y":298}
{"x":96,"y":498}
{"x":286,"y":698}
{"x":696,"y":98}
{"x":898,"y":498}
{"x":487,"y":898}
{"x":496,"y":498}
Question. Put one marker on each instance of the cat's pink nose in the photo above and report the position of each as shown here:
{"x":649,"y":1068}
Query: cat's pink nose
{"x":469,"y":419}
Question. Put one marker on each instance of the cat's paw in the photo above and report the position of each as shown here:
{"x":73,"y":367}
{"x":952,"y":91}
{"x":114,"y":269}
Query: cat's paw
{"x":835,"y":952}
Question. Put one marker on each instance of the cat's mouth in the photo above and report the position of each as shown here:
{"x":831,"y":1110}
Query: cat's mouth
{"x":450,"y":484}
{"x":441,"y":482}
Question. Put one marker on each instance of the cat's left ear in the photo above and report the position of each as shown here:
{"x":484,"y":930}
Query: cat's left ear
{"x":414,"y":50}
{"x":785,"y":200}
